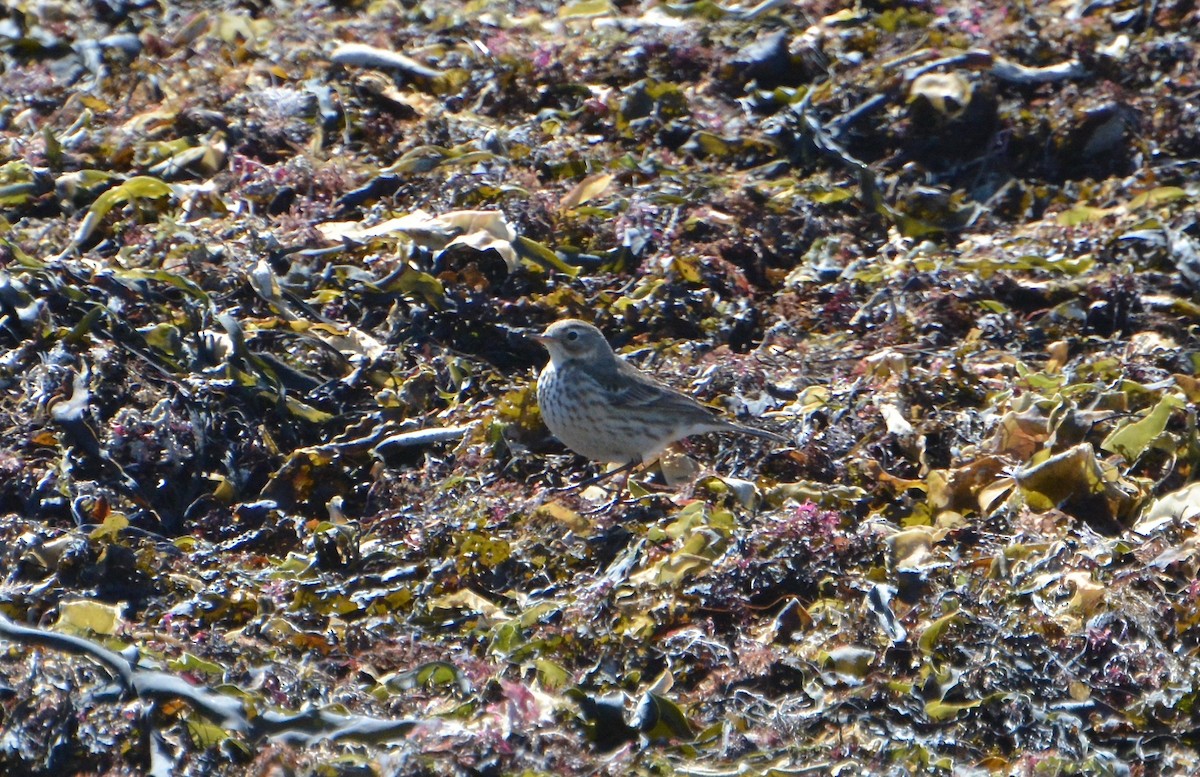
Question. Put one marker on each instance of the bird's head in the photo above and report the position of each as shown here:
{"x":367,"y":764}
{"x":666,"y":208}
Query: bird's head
{"x":574,"y":339}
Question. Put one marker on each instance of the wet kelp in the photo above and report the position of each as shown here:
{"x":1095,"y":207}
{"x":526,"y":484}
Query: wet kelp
{"x":276,"y":493}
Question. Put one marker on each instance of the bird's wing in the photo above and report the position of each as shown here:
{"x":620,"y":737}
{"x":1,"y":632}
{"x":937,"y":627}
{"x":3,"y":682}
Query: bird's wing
{"x":636,"y":389}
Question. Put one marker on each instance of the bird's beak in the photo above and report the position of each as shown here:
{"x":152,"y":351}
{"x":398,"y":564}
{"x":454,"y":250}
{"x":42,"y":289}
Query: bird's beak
{"x":541,"y":339}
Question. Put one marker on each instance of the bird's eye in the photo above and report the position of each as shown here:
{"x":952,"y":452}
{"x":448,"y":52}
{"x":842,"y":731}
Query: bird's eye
{"x":572,"y":335}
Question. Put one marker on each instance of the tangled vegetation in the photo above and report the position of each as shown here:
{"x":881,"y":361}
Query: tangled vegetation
{"x":275,"y":494}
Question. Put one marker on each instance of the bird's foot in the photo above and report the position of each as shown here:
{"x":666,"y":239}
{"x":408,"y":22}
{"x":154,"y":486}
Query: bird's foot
{"x":599,"y":478}
{"x":604,"y":506}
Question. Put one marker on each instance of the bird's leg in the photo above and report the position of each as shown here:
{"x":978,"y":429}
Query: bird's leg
{"x":605,"y":475}
{"x":608,"y":503}
{"x":599,"y":478}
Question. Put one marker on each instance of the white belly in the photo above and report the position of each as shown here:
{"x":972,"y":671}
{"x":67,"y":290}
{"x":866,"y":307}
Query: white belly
{"x":593,"y":432}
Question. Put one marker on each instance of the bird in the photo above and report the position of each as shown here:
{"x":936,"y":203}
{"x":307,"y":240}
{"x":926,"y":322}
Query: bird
{"x":603,"y":408}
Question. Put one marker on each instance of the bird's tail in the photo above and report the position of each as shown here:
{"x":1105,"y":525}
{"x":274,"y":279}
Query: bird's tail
{"x":763,"y":433}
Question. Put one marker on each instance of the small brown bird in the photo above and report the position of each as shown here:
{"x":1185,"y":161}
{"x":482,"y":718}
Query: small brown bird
{"x":604,"y":408}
